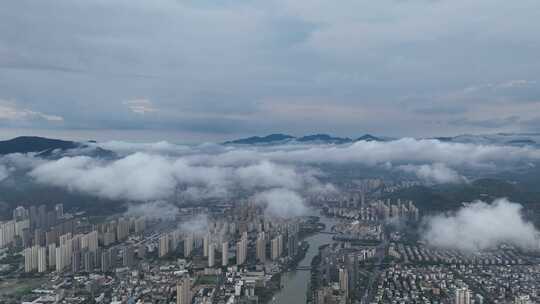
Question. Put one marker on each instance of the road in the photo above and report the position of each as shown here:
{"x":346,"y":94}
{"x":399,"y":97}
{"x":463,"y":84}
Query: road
{"x":379,"y":267}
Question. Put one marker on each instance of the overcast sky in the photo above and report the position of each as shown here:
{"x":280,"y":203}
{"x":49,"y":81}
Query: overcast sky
{"x":212,"y":70}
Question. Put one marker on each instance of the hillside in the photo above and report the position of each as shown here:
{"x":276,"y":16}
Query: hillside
{"x":449,"y":197}
{"x":51,"y":148}
{"x":27,"y":144}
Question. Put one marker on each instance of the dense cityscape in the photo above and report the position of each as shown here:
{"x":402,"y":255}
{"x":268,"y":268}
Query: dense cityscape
{"x":269,"y":152}
{"x":235,"y":253}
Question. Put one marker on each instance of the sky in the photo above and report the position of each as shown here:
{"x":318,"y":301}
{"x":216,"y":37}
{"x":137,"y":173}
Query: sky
{"x":193,"y":71}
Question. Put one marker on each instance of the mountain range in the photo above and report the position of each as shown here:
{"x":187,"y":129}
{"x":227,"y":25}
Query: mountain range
{"x":314,"y":138}
{"x":56,"y":148}
{"x":51,"y":148}
{"x":514,"y":139}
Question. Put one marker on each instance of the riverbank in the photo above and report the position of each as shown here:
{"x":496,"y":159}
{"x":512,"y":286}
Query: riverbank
{"x":275,"y":285}
{"x":311,"y":228}
{"x":295,"y":283}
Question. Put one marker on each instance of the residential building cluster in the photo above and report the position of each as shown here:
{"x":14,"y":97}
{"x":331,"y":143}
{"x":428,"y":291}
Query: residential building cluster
{"x":233,"y":257}
{"x":336,"y":272}
{"x":459,"y":284}
{"x":374,"y":210}
{"x":418,"y":253}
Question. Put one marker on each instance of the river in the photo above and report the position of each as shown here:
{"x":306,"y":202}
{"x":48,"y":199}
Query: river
{"x":295,"y":283}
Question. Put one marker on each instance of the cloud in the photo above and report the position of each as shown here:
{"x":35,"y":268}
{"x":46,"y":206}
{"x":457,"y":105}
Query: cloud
{"x":533,"y":124}
{"x":441,"y":110}
{"x":11,"y":112}
{"x":480,"y":225}
{"x":282,"y":203}
{"x":402,"y":151}
{"x":434,"y":173}
{"x":11,"y":163}
{"x":21,"y":161}
{"x":136,"y":177}
{"x":4,"y":173}
{"x":160,"y":147}
{"x":197,"y":225}
{"x":273,"y":53}
{"x":145,"y":177}
{"x":165,"y":170}
{"x":268,"y":174}
{"x":487,"y":123}
{"x":518,"y":83}
{"x":140,"y":106}
{"x":507,"y":84}
{"x":153,"y":210}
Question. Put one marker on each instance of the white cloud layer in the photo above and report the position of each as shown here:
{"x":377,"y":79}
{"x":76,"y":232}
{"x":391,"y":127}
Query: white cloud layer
{"x":437,"y":173}
{"x":165,"y":169}
{"x":401,"y":151}
{"x":409,"y":150}
{"x":136,"y":177}
{"x":21,"y":161}
{"x":480,"y":225}
{"x":160,"y":147}
{"x":12,"y":112}
{"x":140,"y":106}
{"x":260,"y":64}
{"x":4,"y":173}
{"x":12,"y":162}
{"x":143,"y":177}
{"x":276,"y":175}
{"x":197,"y":225}
{"x":282,"y":203}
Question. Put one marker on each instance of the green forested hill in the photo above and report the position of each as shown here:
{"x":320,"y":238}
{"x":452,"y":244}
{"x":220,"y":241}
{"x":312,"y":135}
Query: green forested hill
{"x":448,"y":197}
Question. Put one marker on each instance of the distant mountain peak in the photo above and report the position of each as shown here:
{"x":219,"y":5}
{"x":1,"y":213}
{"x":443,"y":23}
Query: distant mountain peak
{"x":317,"y":138}
{"x":268,"y":139}
{"x":31,"y":144}
{"x":51,"y":148}
{"x":513,"y":139}
{"x":369,"y":137}
{"x":326,"y":138}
